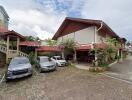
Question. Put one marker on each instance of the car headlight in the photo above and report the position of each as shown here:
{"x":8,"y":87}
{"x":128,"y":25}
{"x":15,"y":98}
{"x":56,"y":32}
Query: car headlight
{"x":9,"y":72}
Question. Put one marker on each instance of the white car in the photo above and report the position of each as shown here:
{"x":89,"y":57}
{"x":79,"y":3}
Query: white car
{"x":59,"y":61}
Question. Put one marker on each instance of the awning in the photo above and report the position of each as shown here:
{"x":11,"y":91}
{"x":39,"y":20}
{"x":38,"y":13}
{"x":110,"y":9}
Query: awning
{"x":84,"y":47}
{"x":29,"y":43}
{"x":49,"y":49}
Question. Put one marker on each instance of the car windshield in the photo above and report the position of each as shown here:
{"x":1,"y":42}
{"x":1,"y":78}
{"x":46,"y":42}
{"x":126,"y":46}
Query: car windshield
{"x":19,"y":61}
{"x":44,"y":60}
{"x":59,"y":58}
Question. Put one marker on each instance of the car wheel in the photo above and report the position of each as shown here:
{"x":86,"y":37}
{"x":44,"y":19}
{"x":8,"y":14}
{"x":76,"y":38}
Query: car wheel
{"x":6,"y":80}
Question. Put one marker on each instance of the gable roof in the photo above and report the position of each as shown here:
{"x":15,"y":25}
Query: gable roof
{"x":87,"y":23}
{"x":12,"y":33}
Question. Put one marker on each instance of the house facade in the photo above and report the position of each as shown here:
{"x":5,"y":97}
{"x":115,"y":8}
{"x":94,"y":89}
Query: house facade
{"x":85,"y":33}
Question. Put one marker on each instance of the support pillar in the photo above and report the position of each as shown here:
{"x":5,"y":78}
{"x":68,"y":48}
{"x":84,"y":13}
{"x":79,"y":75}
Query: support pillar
{"x":62,"y":54}
{"x":75,"y":55}
{"x":18,"y":41}
{"x":7,"y":44}
{"x":36,"y":53}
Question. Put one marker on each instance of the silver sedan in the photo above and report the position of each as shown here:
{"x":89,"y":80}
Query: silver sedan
{"x":44,"y":63}
{"x":19,"y":67}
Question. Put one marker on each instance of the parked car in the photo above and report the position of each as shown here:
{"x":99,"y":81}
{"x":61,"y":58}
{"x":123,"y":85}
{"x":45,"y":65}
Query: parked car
{"x":59,"y":61}
{"x":19,"y":67}
{"x":44,"y":63}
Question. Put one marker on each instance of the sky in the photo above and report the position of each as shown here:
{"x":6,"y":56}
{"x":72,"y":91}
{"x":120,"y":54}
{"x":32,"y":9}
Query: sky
{"x":42,"y":18}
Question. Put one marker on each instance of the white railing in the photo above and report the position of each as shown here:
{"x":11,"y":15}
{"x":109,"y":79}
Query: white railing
{"x":23,"y":54}
{"x":3,"y":49}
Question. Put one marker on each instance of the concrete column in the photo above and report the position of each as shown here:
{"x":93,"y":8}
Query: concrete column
{"x":36,"y":54}
{"x":75,"y":55}
{"x":62,"y":54}
{"x":18,"y":41}
{"x":121,"y":56}
{"x":7,"y":44}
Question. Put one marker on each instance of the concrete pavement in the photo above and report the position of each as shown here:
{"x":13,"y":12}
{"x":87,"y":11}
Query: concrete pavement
{"x":122,"y":70}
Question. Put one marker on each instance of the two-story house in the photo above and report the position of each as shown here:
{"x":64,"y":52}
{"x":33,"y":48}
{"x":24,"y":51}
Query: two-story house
{"x":85,"y":32}
{"x":9,"y":40}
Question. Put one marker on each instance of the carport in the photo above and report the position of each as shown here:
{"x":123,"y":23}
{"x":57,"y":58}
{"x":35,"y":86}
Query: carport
{"x":84,"y":54}
{"x":49,"y":50}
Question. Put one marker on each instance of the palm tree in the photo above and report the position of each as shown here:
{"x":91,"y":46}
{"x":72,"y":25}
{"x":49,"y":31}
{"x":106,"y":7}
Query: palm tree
{"x":69,"y":48}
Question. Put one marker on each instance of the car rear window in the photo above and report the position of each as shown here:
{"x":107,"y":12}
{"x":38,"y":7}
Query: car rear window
{"x":19,"y":61}
{"x":44,"y":60}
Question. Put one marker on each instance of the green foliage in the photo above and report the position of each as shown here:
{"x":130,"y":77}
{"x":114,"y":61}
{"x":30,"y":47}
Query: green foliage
{"x":69,"y":47}
{"x":68,"y":43}
{"x":113,"y":44}
{"x":31,"y":38}
{"x":51,"y":42}
{"x":32,"y":57}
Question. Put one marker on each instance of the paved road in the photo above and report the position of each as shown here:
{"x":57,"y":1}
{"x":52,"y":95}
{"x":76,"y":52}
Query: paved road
{"x":122,"y":70}
{"x":67,"y":83}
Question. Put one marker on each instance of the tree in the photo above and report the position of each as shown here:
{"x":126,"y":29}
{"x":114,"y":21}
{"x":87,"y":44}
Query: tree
{"x":113,"y":45}
{"x":69,"y":48}
{"x":31,"y":38}
{"x":51,"y":42}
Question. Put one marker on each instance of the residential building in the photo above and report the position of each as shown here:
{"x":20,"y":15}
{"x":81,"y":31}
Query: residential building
{"x":4,"y":18}
{"x":85,"y":32}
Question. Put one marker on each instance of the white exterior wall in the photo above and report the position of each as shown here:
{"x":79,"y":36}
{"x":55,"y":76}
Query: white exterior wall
{"x":84,"y":36}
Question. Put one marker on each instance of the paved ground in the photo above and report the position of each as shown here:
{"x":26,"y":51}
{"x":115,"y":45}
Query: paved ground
{"x":67,"y":83}
{"x":122,"y":70}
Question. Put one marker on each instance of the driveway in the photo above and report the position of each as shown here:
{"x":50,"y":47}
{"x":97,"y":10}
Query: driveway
{"x":122,"y":70}
{"x":67,"y":83}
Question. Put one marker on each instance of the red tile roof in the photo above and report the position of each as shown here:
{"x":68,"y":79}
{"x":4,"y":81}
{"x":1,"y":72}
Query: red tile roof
{"x":88,"y":22}
{"x":12,"y":33}
{"x":83,"y":47}
{"x":49,"y":49}
{"x":29,"y":43}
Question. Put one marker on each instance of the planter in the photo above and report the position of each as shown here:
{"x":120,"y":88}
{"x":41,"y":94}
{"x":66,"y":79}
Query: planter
{"x":97,"y":69}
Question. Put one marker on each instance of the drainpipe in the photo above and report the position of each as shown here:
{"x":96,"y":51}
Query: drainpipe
{"x":101,"y":25}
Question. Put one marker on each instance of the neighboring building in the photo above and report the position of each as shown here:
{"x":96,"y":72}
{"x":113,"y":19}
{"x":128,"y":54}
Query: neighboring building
{"x":85,"y":32}
{"x":4,"y":18}
{"x":9,"y":40}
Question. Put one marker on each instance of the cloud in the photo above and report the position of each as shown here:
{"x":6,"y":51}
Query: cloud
{"x":33,"y":19}
{"x":43,"y":17}
{"x":117,"y":14}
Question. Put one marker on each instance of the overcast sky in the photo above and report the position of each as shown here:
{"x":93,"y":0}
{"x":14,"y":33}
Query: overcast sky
{"x":43,"y":17}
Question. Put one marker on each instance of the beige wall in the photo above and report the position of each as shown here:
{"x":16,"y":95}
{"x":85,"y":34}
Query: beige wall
{"x":86,"y":36}
{"x":83,"y":36}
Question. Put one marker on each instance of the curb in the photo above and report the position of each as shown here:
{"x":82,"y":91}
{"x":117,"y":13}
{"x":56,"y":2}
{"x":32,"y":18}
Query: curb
{"x":116,"y":78}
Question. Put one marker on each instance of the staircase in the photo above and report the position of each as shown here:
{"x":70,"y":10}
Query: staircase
{"x":12,"y":53}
